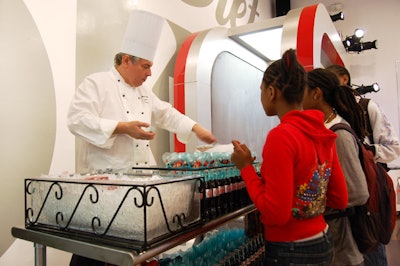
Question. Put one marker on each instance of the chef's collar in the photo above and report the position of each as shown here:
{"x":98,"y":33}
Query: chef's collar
{"x":120,"y":79}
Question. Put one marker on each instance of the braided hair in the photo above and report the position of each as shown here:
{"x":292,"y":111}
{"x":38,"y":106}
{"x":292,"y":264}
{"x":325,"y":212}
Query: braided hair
{"x":340,"y":71}
{"x":339,"y":97}
{"x":288,"y":76}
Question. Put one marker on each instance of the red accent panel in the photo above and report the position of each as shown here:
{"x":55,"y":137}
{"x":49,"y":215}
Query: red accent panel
{"x":305,"y":37}
{"x":330,"y":51}
{"x":179,"y":83}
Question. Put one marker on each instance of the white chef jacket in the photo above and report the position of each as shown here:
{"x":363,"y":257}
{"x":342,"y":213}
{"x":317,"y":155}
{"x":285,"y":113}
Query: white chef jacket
{"x":100,"y":102}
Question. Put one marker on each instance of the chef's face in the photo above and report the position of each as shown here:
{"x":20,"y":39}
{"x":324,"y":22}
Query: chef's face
{"x":138,"y":71}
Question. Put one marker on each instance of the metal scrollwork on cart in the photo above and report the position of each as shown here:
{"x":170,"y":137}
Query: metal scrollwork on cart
{"x":130,"y":214}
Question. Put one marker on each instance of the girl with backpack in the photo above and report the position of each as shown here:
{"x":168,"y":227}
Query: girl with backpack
{"x":337,"y":102}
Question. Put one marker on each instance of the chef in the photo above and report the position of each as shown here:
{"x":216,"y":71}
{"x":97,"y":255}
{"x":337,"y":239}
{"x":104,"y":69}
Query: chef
{"x":113,"y":115}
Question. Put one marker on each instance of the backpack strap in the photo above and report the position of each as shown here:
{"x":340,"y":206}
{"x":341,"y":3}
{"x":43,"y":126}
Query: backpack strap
{"x":340,"y":213}
{"x":347,"y":128}
{"x":360,"y":144}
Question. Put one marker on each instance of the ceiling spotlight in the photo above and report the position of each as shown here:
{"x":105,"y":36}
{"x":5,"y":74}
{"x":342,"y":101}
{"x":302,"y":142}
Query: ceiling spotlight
{"x":355,"y":38}
{"x":366,"y":89}
{"x":369,"y":45}
{"x":338,"y":16}
{"x":361,"y":46}
{"x":353,"y":43}
{"x":359,"y":33}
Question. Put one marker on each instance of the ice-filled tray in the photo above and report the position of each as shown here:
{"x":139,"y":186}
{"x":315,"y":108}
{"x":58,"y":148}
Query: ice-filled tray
{"x":131,"y":210}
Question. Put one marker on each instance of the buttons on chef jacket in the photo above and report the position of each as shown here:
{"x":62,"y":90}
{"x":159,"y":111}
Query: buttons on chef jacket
{"x":147,"y":145}
{"x":138,"y":163}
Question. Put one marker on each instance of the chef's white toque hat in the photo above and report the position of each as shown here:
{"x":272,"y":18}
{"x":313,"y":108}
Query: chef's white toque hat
{"x":142,"y":34}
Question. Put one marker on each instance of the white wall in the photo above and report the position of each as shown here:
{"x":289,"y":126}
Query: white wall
{"x":37,"y":51}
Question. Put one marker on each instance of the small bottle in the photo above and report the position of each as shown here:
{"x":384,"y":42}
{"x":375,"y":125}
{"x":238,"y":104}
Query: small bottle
{"x":228,"y":190}
{"x":208,"y":197}
{"x":221,"y":193}
{"x":214,"y":198}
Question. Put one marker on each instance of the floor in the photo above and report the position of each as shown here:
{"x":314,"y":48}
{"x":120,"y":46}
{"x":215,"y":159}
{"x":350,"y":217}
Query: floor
{"x":393,"y":248}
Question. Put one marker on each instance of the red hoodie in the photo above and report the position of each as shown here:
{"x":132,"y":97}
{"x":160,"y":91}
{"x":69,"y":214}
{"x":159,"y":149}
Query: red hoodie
{"x":300,"y":173}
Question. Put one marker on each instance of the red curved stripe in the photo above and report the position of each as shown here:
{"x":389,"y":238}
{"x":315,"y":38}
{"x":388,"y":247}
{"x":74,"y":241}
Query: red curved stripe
{"x":179,"y":83}
{"x":305,"y":37}
{"x":330,"y":51}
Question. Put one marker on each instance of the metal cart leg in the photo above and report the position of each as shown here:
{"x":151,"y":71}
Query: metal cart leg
{"x":40,"y":254}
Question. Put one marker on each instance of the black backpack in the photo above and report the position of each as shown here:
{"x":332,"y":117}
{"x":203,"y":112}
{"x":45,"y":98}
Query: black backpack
{"x":373,"y":222}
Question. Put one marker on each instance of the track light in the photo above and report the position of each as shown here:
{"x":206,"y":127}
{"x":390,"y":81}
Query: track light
{"x":359,"y":33}
{"x":353,"y":43}
{"x":361,"y":46}
{"x":337,"y":16}
{"x":355,"y":38}
{"x":366,"y":89}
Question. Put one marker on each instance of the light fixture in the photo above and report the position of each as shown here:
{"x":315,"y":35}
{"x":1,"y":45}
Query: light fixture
{"x":367,"y":89}
{"x":361,"y":46}
{"x":263,"y":38}
{"x":353,"y":43}
{"x":359,"y":33}
{"x":355,"y":38}
{"x":337,"y":16}
{"x":267,"y":42}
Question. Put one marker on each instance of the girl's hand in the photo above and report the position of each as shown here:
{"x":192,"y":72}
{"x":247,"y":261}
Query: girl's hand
{"x":241,"y":155}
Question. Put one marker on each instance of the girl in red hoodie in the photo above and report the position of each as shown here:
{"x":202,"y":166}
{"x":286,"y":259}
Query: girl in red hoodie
{"x":300,"y":171}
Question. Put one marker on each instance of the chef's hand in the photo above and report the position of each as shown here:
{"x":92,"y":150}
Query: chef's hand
{"x":203,"y":134}
{"x":135,"y":129}
{"x":241,"y":155}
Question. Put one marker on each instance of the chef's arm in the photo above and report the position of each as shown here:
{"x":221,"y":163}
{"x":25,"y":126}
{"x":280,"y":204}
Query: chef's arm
{"x":134,"y":129}
{"x":203,"y":134}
